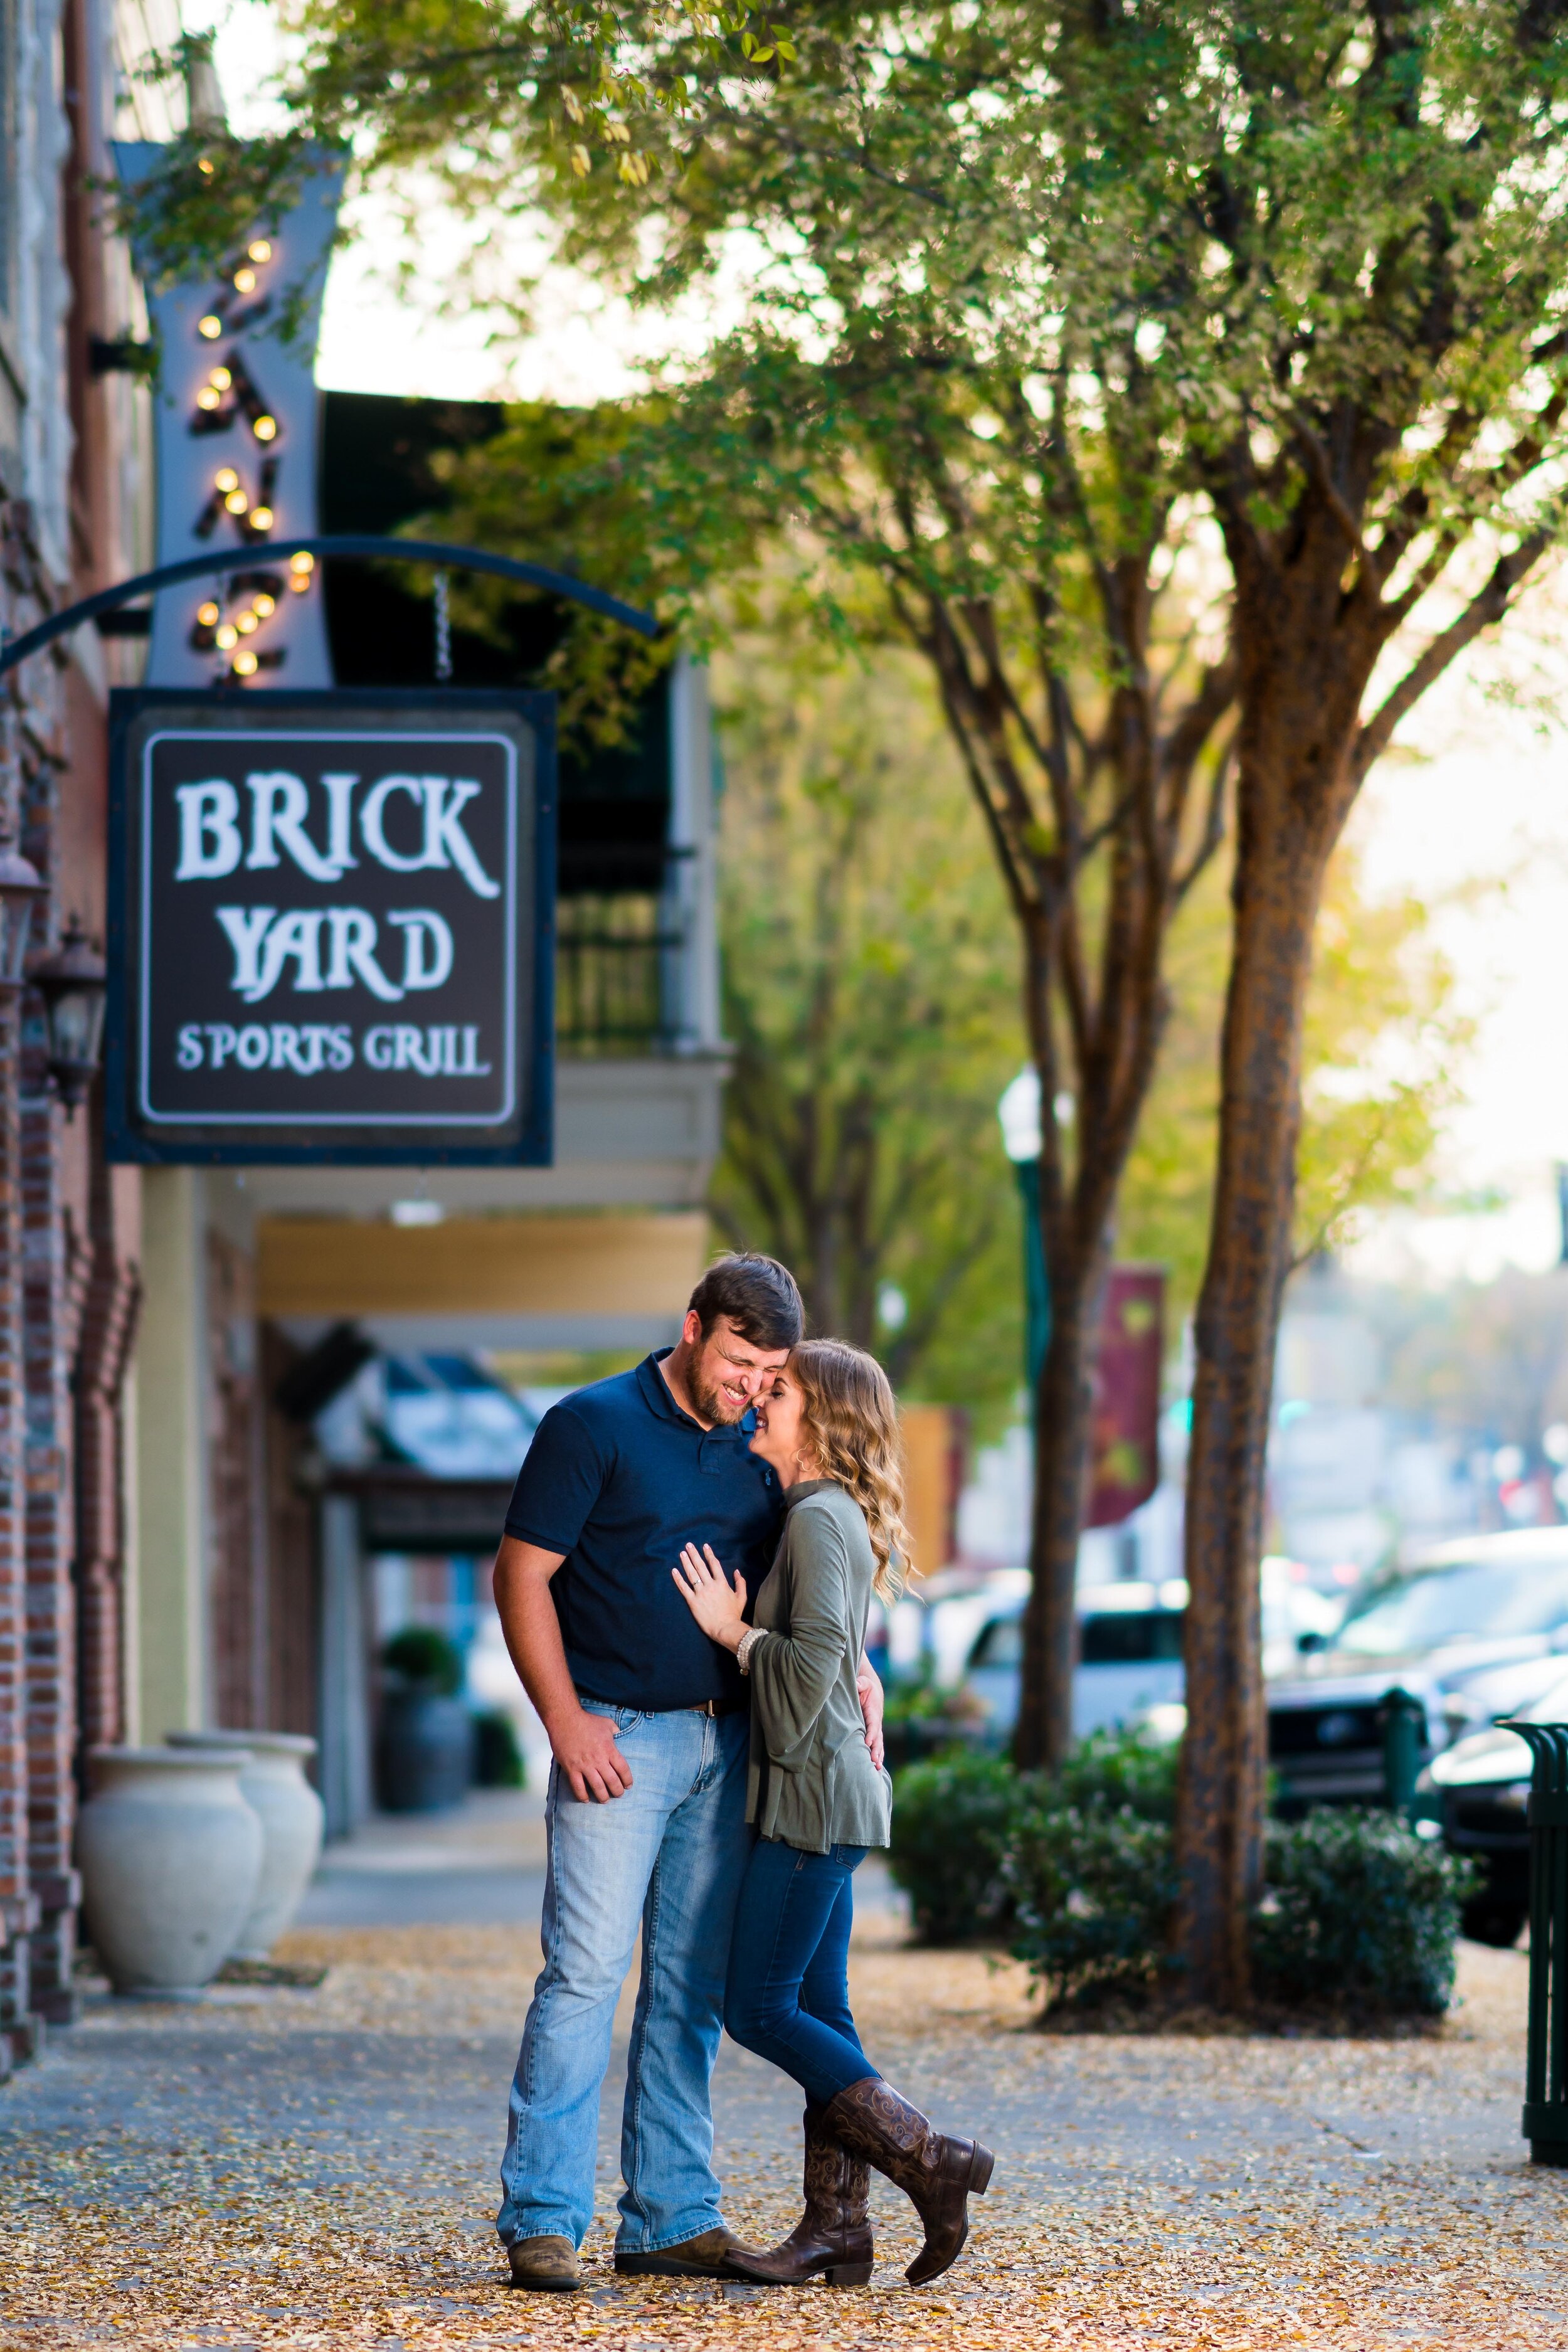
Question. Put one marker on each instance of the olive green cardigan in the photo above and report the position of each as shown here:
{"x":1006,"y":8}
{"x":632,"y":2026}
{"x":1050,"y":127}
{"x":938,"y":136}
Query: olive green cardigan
{"x":813,"y":1783}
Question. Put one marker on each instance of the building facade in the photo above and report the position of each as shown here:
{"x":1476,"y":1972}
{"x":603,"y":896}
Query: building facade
{"x":170,"y":1557}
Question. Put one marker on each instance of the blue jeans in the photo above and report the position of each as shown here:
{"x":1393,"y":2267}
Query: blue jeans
{"x":668,"y":1856}
{"x":788,"y":1994}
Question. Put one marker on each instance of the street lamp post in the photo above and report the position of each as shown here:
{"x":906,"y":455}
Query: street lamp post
{"x":1019,"y":1113}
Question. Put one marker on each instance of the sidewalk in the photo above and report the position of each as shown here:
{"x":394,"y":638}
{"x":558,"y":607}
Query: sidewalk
{"x":286,"y":2167}
{"x":479,"y":1866}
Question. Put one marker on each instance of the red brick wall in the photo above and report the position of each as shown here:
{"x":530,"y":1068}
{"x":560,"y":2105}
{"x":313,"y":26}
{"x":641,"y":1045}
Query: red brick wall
{"x":30,"y":1622}
{"x":55,"y":1261}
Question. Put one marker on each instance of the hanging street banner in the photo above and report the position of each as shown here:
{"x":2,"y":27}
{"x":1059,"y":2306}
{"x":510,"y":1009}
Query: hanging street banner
{"x":1124,"y":1441}
{"x":330,"y":927}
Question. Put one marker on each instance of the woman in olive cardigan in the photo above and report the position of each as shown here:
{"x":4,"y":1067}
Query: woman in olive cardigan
{"x":829,"y":1429}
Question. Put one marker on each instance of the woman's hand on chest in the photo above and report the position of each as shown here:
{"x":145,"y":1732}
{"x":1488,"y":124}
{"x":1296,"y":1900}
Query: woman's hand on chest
{"x":718,"y":1607}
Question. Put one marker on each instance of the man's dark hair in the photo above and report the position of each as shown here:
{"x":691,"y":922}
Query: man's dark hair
{"x":757,"y":1294}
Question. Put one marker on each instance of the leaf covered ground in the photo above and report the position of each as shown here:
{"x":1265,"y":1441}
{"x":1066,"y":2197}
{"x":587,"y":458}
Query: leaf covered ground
{"x":317,"y":2168}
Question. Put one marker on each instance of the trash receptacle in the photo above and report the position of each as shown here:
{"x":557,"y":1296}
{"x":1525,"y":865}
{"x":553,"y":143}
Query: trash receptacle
{"x":1402,"y":1721}
{"x":1545,"y":2119}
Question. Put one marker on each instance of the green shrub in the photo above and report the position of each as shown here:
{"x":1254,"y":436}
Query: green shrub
{"x":1358,"y":1911}
{"x":1118,"y":1768}
{"x":952,"y":1817}
{"x":916,"y":1697}
{"x":497,"y":1760}
{"x":1092,"y":1888}
{"x":1078,"y":1867}
{"x":954,"y":1814}
{"x":425,"y":1660}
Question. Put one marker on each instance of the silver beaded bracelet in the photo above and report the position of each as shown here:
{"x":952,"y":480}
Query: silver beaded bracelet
{"x":747,"y":1644}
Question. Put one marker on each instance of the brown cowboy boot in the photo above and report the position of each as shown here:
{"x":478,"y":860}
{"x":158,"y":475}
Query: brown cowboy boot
{"x":710,"y":2255}
{"x":548,"y":2265}
{"x":937,"y":2174}
{"x":834,"y":2233}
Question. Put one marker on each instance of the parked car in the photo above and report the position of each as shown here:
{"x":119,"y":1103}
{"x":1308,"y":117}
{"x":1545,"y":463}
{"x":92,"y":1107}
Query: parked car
{"x":1130,"y":1644}
{"x":1130,"y":1657}
{"x":1475,"y":1795}
{"x":1475,"y":1630}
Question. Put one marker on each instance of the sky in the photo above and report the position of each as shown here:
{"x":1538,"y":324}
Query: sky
{"x":1471,"y":813}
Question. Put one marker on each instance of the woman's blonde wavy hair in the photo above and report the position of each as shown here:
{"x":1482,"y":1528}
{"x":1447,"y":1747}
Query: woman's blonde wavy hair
{"x":852,"y":1424}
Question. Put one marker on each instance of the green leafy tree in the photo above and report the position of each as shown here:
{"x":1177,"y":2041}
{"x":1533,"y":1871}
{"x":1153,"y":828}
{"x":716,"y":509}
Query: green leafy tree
{"x":868,"y":967}
{"x":1215,"y":359}
{"x":1383,"y":1054}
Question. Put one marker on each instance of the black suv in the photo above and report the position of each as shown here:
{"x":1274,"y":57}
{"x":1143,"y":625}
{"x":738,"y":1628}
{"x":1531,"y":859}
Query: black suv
{"x":1474,"y":1631}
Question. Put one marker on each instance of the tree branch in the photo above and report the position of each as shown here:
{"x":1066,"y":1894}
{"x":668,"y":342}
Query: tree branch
{"x":1489,"y":605}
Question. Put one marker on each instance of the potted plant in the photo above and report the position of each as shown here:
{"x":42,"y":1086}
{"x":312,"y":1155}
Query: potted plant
{"x":427,"y":1748}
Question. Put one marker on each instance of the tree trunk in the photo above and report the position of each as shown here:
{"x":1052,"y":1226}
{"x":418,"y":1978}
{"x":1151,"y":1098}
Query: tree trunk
{"x":1062,"y":1403}
{"x":1282,"y":854}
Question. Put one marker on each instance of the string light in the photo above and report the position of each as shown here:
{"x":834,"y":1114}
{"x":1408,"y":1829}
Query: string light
{"x":246,"y":624}
{"x":260,"y":516}
{"x":207,"y":615}
{"x":299,"y":582}
{"x":208,"y":399}
{"x":220,"y":379}
{"x":266,"y":604}
{"x":245,"y":281}
{"x":260,"y":251}
{"x":302,"y":561}
{"x":226,"y":479}
{"x":211,"y":326}
{"x":265,"y":428}
{"x":227,"y":636}
{"x":237,"y":502}
{"x":245,"y":664}
{"x":206,"y":166}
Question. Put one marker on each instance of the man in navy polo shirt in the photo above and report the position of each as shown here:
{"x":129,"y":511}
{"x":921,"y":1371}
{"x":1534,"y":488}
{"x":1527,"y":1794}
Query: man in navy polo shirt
{"x":648,"y":1721}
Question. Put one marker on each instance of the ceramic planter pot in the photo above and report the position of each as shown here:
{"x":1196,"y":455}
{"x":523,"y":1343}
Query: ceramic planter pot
{"x":272,"y":1782}
{"x":170,"y":1855}
{"x":427,"y":1751}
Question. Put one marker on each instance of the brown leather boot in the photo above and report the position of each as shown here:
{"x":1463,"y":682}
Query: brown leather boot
{"x":937,"y":2174}
{"x":834,"y":2233}
{"x":548,"y":2265}
{"x":708,"y":2256}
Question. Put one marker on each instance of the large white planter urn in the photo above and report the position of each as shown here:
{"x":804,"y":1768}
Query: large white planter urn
{"x":170,"y":1855}
{"x":272,"y":1782}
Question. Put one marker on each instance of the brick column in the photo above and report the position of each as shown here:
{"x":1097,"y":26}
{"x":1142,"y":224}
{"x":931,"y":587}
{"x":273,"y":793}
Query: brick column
{"x":18,"y":1906}
{"x":29,"y":723}
{"x":56,"y":1261}
{"x":107,"y":1329}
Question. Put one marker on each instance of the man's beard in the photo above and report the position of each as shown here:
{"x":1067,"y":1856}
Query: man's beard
{"x":712,"y":1404}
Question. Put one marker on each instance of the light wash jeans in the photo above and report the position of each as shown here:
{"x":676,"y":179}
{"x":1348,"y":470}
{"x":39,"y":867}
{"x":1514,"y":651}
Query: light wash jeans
{"x":668,"y":1856}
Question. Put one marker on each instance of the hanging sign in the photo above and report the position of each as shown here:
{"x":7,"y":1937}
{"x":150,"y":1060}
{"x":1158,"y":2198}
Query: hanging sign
{"x":329,"y":932}
{"x":236,"y":414}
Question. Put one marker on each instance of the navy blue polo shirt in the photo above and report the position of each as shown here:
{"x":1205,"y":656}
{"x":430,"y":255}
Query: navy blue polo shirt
{"x":618,"y":1478}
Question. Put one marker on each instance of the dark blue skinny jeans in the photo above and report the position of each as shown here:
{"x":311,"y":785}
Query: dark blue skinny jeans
{"x":788,"y":1996}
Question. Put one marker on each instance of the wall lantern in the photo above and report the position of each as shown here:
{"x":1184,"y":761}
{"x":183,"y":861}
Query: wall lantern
{"x":20,"y":892}
{"x":73,"y":984}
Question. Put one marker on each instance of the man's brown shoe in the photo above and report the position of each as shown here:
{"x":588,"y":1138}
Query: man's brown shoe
{"x":548,"y":2265}
{"x":704,"y":2257}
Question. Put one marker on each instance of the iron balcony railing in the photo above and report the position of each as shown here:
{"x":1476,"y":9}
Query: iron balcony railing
{"x":614,"y":951}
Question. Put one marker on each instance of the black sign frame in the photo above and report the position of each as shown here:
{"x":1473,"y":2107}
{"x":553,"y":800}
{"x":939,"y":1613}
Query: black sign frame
{"x":131,"y":1136}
